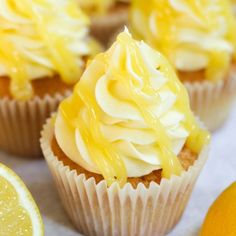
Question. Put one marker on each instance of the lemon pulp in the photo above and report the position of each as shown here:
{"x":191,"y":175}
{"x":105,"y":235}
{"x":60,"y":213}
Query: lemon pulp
{"x":18,"y":213}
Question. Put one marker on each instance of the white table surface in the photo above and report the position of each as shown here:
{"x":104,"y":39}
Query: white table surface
{"x":219,"y":172}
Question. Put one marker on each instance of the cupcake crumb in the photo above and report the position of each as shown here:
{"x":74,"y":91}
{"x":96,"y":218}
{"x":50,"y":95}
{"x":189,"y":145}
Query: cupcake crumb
{"x":186,"y":158}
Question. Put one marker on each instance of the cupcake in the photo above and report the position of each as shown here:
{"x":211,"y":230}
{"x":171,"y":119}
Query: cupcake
{"x":199,"y":40}
{"x":44,"y":47}
{"x":107,"y":16}
{"x":234,"y":6}
{"x":125,"y":149}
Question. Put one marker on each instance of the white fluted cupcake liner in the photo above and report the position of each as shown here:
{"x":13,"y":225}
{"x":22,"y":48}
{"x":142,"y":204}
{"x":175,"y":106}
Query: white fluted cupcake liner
{"x":96,"y":209}
{"x":22,"y":121}
{"x":212,"y":102}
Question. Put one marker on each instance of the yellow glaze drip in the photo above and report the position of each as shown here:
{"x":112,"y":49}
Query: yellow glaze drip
{"x":169,"y":22}
{"x":57,"y":44}
{"x":101,"y":151}
{"x":11,"y":57}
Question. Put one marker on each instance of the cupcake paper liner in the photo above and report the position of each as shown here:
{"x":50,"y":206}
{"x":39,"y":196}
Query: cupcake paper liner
{"x":96,"y":209}
{"x":212,"y":102}
{"x":22,"y":121}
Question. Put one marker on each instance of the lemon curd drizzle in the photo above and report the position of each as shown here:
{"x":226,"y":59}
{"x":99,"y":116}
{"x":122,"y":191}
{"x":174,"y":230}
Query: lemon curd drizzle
{"x":11,"y":57}
{"x":169,"y":22}
{"x":55,"y":42}
{"x":103,"y":153}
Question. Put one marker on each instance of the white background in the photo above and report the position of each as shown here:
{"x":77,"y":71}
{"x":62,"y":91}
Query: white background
{"x":219,"y":172}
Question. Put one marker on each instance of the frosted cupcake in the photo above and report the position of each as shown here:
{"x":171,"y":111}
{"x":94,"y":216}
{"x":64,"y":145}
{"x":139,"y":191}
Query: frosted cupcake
{"x":234,"y":6}
{"x":44,"y":46}
{"x":107,"y":16}
{"x":124,"y":149}
{"x":199,"y":39}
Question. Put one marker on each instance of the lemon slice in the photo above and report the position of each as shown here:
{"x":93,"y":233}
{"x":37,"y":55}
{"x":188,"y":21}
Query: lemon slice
{"x":221,"y":217}
{"x":19,"y":214}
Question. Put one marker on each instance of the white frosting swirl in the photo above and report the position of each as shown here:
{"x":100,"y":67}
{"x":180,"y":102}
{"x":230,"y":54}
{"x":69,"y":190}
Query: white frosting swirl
{"x":195,"y":34}
{"x":17,"y":25}
{"x":121,"y":122}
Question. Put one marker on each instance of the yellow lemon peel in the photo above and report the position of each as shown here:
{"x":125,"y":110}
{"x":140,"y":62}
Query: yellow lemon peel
{"x":221,"y":217}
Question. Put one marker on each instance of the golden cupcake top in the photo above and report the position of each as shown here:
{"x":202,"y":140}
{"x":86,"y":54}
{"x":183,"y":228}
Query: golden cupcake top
{"x":194,"y":35}
{"x":41,"y":38}
{"x":128,"y":115}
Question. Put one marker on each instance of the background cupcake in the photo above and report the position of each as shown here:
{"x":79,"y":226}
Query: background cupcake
{"x":234,"y":6}
{"x":199,"y":39}
{"x":124,"y":149}
{"x":107,"y":17}
{"x":44,"y":46}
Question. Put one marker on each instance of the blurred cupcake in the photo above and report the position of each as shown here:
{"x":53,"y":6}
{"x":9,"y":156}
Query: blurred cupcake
{"x":44,"y":46}
{"x":234,"y":6}
{"x":199,"y":39}
{"x":124,"y":149}
{"x":107,"y":16}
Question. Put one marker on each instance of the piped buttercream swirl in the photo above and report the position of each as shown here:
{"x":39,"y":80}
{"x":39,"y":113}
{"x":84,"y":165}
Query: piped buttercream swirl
{"x":128,"y":116}
{"x":194,"y":35}
{"x":41,"y":38}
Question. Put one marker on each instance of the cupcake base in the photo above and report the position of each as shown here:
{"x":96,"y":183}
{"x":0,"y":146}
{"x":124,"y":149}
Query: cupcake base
{"x":96,"y":209}
{"x":22,"y":121}
{"x":212,"y":102}
{"x":186,"y":158}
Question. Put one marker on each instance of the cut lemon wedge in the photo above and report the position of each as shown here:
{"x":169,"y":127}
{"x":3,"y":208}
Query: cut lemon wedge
{"x":19,"y":214}
{"x":221,"y":217}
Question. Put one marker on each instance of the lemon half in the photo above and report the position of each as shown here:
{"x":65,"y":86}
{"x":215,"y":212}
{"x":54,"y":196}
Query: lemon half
{"x":19,"y":215}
